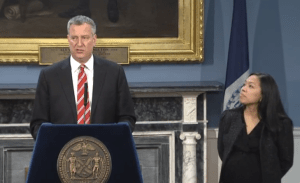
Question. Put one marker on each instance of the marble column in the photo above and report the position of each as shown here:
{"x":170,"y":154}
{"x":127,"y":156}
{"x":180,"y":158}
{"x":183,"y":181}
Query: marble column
{"x":189,"y":166}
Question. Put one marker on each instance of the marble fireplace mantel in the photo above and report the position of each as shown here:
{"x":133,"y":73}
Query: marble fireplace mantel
{"x":170,"y":132}
{"x":27,"y":91}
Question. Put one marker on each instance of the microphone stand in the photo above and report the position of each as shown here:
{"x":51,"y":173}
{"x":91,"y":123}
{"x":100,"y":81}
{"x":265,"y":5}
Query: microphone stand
{"x":85,"y":100}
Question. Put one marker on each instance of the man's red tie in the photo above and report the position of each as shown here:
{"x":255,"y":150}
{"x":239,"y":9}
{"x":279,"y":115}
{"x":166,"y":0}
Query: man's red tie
{"x":81,"y":117}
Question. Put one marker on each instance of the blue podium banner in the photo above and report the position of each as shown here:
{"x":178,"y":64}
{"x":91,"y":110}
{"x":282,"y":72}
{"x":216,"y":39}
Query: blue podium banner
{"x":117,"y":138}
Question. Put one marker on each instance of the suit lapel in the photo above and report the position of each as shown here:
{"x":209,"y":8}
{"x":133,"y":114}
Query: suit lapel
{"x":235,"y":129}
{"x":65,"y":77}
{"x":99,"y":78}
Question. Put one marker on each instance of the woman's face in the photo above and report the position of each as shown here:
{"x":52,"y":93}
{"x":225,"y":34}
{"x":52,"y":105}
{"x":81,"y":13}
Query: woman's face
{"x":251,"y":91}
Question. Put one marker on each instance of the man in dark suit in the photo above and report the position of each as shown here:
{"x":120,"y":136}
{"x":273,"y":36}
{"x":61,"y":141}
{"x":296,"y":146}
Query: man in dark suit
{"x":57,"y":100}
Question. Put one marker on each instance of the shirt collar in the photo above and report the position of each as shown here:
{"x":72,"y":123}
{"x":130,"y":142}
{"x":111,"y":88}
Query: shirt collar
{"x":75,"y":65}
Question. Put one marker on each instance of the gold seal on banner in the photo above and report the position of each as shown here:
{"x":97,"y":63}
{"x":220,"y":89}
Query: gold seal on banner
{"x":84,"y":160}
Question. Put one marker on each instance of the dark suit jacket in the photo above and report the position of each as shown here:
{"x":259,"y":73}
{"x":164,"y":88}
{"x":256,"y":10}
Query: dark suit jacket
{"x":276,"y":153}
{"x":55,"y":101}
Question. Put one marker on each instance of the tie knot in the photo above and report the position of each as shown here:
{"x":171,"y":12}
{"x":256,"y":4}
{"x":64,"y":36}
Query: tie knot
{"x":82,"y":68}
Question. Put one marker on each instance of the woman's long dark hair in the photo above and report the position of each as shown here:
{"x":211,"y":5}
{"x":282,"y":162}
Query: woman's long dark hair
{"x":270,"y":108}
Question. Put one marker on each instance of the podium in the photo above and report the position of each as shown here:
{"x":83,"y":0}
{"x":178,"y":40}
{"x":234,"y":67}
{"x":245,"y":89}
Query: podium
{"x":52,"y":138}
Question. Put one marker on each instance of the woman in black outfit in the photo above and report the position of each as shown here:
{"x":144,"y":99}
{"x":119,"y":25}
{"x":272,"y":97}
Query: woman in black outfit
{"x":255,"y":141}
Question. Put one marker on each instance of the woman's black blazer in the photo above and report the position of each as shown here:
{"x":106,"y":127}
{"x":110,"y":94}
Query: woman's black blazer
{"x":276,"y":152}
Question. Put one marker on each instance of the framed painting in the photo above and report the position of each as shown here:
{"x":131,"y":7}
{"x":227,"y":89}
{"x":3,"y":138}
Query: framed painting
{"x":153,"y":30}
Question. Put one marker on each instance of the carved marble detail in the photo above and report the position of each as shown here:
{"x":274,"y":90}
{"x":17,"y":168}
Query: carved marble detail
{"x":189,"y":163}
{"x":190,"y":107}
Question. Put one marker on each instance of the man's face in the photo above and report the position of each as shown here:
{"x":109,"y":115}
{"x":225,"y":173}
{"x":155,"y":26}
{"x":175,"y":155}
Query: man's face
{"x":81,"y":42}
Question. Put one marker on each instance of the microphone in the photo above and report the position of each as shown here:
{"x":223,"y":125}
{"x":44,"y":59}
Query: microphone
{"x":85,"y":94}
{"x":85,"y":99}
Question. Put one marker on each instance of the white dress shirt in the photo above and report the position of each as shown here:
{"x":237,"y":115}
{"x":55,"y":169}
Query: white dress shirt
{"x":89,"y":71}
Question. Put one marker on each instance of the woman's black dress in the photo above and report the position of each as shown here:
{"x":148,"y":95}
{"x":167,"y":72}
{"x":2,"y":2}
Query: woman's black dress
{"x":243,"y":164}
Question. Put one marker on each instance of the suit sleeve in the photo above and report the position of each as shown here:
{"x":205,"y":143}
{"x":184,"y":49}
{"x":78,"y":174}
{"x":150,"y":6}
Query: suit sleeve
{"x":125,"y":106}
{"x":41,"y":106}
{"x":220,"y":135}
{"x":286,"y":146}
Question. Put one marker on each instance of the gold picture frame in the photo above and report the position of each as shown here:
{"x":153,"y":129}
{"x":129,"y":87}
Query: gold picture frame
{"x":187,"y":47}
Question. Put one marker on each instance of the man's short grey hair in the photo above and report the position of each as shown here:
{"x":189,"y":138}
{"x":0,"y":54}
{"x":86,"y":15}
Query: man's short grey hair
{"x":79,"y":20}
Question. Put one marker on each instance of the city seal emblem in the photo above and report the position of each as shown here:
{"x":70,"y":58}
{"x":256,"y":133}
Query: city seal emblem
{"x":84,"y":159}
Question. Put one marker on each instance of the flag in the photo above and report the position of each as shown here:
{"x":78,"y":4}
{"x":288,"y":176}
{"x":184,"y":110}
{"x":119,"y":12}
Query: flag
{"x":238,"y":57}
